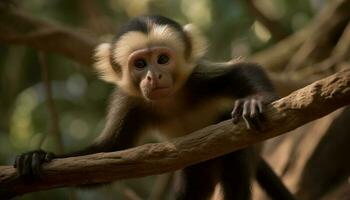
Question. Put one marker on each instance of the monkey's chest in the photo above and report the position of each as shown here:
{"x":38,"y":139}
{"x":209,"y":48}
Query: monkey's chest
{"x":194,"y":118}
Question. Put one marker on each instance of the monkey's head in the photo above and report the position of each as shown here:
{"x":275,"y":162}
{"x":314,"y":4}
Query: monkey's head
{"x":151,"y":57}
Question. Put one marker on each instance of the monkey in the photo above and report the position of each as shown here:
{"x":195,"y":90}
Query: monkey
{"x":165,"y":84}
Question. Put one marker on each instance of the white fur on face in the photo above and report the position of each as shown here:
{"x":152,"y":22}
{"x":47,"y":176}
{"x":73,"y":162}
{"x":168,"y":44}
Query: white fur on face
{"x":102,"y":64}
{"x":159,"y":35}
{"x":198,"y":41}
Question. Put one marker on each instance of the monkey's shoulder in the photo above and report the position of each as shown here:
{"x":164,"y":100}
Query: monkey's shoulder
{"x":206,"y":70}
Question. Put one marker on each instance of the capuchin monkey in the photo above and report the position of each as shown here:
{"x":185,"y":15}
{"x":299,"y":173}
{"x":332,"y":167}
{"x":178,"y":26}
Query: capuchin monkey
{"x":165,"y":85}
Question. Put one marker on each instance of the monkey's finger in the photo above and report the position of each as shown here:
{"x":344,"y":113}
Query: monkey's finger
{"x":17,"y":161}
{"x":237,"y":111}
{"x":246,"y":108}
{"x":246,"y":114}
{"x":37,"y":160}
{"x":26,"y":170}
{"x":48,"y":156}
{"x":256,"y":123}
{"x":260,"y":118}
{"x":253,"y":109}
{"x":255,"y":115}
{"x":249,"y":123}
{"x":236,"y":107}
{"x":260,"y":106}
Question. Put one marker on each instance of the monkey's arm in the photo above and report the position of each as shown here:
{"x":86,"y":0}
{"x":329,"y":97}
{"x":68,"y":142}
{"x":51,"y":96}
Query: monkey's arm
{"x":254,"y":92}
{"x":119,"y":133}
{"x":246,"y":82}
{"x":251,"y":79}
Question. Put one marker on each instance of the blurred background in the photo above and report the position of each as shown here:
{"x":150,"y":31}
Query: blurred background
{"x":50,"y":96}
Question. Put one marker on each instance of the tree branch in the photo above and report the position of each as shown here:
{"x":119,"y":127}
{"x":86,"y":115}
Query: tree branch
{"x":288,"y":113}
{"x":325,"y":28}
{"x":276,"y":57}
{"x":276,"y":29}
{"x":19,"y":28}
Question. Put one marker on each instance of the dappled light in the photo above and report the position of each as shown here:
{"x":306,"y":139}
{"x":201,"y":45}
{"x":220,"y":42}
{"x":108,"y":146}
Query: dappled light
{"x":52,"y":97}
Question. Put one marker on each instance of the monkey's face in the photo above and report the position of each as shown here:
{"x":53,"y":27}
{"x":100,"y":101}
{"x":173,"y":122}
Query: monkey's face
{"x":152,"y":58}
{"x":152,"y":70}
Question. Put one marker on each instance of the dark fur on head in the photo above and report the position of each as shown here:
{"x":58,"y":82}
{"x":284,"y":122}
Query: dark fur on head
{"x":144,"y":32}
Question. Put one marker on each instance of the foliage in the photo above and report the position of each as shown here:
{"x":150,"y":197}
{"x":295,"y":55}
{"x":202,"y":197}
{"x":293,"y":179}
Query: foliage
{"x":80,"y":98}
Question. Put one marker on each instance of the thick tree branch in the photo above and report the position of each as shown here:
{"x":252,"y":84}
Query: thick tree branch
{"x":288,"y":113}
{"x":325,"y":28}
{"x":22,"y":29}
{"x":19,"y":28}
{"x":276,"y":29}
{"x":276,"y":57}
{"x":315,"y":39}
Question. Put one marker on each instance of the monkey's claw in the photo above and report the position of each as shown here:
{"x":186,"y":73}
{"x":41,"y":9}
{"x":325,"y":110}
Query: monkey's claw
{"x":251,"y":110}
{"x":28,"y":164}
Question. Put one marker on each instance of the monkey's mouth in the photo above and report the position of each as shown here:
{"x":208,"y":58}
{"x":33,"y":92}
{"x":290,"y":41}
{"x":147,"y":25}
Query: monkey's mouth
{"x":159,"y":93}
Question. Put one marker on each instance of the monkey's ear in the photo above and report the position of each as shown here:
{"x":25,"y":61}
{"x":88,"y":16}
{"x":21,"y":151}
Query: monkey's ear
{"x":199,"y":42}
{"x":103,"y":65}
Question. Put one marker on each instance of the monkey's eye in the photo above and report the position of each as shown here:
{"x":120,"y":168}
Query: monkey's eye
{"x":140,"y":63}
{"x":163,"y":59}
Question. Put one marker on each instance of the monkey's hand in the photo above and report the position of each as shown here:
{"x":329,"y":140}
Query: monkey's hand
{"x":251,"y":110}
{"x":29,"y":164}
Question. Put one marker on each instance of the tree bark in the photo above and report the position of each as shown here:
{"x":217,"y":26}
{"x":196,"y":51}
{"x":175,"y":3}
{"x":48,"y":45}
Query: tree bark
{"x":283,"y":115}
